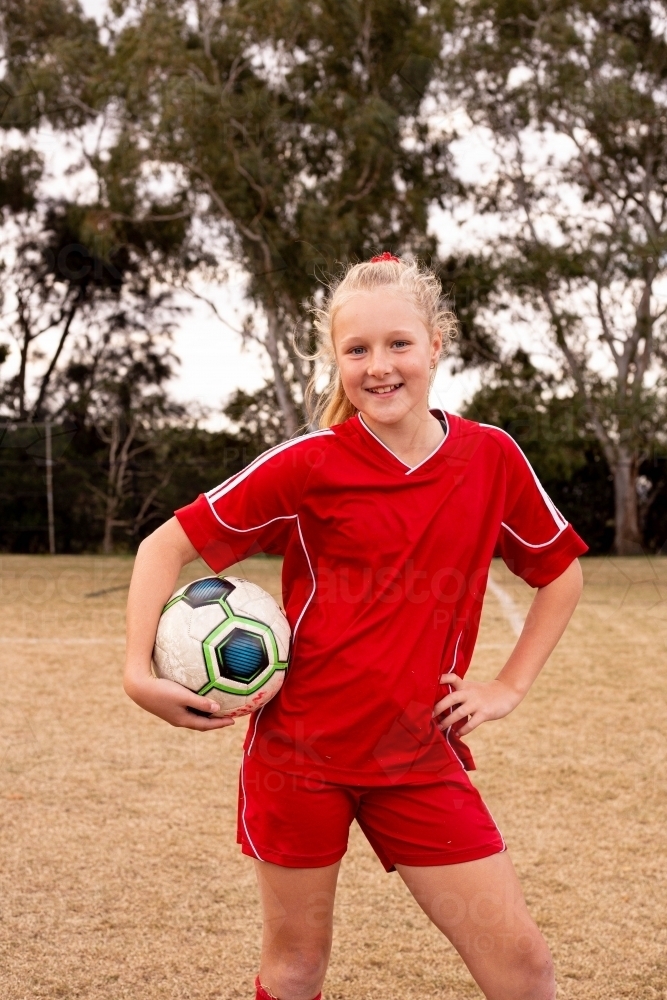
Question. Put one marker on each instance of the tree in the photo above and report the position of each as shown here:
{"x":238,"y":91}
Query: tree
{"x":555,"y":437}
{"x":50,"y":281}
{"x":572,"y":97}
{"x":71,"y":265}
{"x":86,"y":276}
{"x":257,"y":417}
{"x":115,"y":386}
{"x":295,"y":128}
{"x":53,"y":65}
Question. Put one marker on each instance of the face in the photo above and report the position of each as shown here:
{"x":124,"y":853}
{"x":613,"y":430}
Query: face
{"x":385,"y":353}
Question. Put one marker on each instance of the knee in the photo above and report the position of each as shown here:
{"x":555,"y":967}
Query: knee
{"x":534,"y":965}
{"x":299,"y":972}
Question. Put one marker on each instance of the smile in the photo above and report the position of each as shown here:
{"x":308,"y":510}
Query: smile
{"x":382,"y":389}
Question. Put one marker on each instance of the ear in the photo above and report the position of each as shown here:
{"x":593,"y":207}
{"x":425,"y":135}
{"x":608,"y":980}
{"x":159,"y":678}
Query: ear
{"x":436,"y":345}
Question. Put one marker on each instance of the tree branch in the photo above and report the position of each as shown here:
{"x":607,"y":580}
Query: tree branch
{"x":54,"y":360}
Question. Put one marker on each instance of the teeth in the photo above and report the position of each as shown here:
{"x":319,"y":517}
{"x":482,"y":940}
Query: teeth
{"x":384,"y":388}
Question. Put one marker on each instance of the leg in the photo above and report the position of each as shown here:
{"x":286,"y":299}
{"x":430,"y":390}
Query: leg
{"x":480,"y":907}
{"x":297,"y":907}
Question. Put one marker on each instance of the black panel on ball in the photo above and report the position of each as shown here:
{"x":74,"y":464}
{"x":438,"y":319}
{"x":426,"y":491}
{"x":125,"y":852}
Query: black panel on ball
{"x":242,"y":656}
{"x":207,"y":591}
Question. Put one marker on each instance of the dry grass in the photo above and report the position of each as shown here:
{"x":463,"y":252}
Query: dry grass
{"x":119,"y":874}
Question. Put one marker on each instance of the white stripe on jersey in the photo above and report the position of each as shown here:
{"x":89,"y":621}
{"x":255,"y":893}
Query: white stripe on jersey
{"x":214,"y":495}
{"x":559,"y":520}
{"x":238,"y":477}
{"x":530,"y":545}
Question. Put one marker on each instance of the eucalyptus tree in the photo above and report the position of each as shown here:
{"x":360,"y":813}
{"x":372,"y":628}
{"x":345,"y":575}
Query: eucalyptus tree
{"x":66,"y":260}
{"x":44,"y":49}
{"x":86,"y":308}
{"x":295,"y":128}
{"x":572,"y":97}
{"x":116,"y":385}
{"x":52,"y":64}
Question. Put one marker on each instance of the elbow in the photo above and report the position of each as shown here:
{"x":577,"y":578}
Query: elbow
{"x":130,"y":686}
{"x":127,"y":686}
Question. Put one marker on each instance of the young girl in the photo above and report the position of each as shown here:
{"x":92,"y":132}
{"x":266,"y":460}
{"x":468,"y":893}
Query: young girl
{"x":387,"y":517}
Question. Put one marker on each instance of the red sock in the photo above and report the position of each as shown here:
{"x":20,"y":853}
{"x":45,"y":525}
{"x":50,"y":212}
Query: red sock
{"x":263,"y":994}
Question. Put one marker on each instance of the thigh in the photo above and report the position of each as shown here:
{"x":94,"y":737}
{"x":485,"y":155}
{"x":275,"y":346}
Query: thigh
{"x":480,"y":907}
{"x":297,"y":908}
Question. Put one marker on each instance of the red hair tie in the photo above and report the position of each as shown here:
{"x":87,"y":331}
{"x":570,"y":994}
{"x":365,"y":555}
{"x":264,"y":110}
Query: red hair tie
{"x":385,"y":256}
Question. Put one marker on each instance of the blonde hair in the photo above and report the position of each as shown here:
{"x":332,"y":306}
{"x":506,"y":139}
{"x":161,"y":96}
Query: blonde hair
{"x":414,"y":280}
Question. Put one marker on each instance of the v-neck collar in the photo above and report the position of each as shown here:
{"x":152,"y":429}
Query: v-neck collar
{"x":411,"y":468}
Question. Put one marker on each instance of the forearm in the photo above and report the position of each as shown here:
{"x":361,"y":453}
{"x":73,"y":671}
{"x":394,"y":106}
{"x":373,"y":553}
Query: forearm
{"x":159,"y":561}
{"x":545,"y":623}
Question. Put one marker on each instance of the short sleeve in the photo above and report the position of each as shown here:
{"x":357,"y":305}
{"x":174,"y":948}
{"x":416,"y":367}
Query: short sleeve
{"x":257,"y":509}
{"x":536,"y":542}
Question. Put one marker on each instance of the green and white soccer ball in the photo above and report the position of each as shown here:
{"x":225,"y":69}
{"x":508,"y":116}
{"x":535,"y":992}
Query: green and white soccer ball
{"x":225,"y":638}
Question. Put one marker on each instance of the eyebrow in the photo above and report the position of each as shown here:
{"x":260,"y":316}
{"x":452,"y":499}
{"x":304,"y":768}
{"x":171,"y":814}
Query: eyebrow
{"x":390,"y":333}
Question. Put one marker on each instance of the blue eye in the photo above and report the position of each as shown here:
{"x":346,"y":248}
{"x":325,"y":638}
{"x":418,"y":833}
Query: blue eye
{"x":401,"y":343}
{"x":357,"y":350}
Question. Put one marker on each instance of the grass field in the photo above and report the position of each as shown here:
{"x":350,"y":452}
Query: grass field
{"x":119,"y":872}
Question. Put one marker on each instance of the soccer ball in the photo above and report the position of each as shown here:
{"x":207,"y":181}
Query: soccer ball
{"x":224,"y":638}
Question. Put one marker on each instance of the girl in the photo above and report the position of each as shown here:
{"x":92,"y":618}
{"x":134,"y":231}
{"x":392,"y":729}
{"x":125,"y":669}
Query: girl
{"x":387,"y":517}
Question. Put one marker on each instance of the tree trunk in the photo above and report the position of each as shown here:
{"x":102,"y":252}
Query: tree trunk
{"x":627,"y":539}
{"x":36,"y":412}
{"x":107,"y":540}
{"x":283,"y":393}
{"x":111,"y":505}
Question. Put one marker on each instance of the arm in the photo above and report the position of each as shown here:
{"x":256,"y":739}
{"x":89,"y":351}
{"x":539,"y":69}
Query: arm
{"x":545,"y":623}
{"x":159,"y":560}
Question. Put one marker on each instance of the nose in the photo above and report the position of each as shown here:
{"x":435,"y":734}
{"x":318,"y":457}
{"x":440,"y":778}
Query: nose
{"x":379,"y":363}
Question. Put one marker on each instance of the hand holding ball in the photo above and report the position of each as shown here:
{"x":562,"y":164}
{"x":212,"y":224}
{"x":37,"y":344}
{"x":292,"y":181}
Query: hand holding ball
{"x":224,"y":638}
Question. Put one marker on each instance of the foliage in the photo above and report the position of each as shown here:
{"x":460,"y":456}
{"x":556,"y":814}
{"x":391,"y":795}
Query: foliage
{"x":573,"y":96}
{"x":196,"y":459}
{"x":293,"y":138}
{"x":295,"y":127}
{"x":55,"y":64}
{"x":552,"y":431}
{"x":257,"y":418}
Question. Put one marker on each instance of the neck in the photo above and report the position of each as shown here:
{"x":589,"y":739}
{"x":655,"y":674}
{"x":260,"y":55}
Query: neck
{"x":411,"y":439}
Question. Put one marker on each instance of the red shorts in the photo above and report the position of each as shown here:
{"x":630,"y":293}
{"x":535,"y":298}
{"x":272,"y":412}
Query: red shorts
{"x":303,"y":821}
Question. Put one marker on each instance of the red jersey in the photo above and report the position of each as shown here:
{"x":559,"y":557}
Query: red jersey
{"x":385,"y":568}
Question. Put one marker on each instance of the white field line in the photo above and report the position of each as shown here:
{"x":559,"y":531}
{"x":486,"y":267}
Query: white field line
{"x":512,"y":614}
